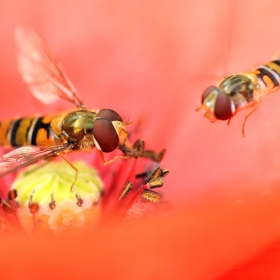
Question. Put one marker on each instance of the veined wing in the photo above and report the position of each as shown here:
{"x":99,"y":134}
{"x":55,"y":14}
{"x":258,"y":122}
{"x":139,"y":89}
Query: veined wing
{"x":39,"y":68}
{"x":27,"y":155}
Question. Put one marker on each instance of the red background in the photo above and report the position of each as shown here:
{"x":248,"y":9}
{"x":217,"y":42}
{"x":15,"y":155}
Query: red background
{"x":150,"y":61}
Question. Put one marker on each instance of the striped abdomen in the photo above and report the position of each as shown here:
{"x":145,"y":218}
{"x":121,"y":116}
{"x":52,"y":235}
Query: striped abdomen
{"x":26,"y":131}
{"x":268,"y":76}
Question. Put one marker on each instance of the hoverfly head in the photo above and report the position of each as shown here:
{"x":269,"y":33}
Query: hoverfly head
{"x":109,"y":130}
{"x":217,"y":104}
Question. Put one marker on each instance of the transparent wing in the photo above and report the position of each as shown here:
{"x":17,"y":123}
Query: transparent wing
{"x":39,"y":68}
{"x":25,"y":156}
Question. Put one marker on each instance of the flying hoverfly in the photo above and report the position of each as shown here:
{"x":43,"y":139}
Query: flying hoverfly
{"x":240,"y":91}
{"x":38,"y":138}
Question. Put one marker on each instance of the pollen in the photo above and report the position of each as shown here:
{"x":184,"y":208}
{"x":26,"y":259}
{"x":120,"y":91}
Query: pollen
{"x":51,"y":193}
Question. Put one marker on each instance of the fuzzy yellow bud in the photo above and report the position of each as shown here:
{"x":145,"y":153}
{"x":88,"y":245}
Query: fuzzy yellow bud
{"x":62,"y":204}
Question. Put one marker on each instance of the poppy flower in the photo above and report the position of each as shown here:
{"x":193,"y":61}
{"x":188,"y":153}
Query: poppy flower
{"x":151,"y":61}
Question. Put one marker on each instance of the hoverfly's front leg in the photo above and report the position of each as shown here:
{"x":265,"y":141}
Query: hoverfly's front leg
{"x":138,"y":150}
{"x":229,"y":120}
{"x":112,"y":160}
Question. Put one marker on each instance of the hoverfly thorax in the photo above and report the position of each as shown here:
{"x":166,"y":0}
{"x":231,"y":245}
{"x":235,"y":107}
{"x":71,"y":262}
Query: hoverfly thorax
{"x":78,"y":125}
{"x":221,"y":102}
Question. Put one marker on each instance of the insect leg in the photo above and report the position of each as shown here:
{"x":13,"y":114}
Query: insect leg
{"x":255,"y":105}
{"x":198,"y":108}
{"x":73,"y":188}
{"x":112,"y":160}
{"x":229,"y":120}
{"x":138,"y":150}
{"x":76,"y":170}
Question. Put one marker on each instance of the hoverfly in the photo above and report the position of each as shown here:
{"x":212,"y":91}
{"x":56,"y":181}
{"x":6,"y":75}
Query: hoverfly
{"x":79,"y":129}
{"x":240,"y":91}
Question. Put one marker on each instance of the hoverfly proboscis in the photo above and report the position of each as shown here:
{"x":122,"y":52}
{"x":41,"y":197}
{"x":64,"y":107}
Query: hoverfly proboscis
{"x":240,"y":91}
{"x":79,"y":129}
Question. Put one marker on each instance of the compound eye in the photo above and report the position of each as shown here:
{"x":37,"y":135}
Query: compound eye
{"x":223,"y":107}
{"x":105,"y":135}
{"x":209,"y":90}
{"x":109,"y":115}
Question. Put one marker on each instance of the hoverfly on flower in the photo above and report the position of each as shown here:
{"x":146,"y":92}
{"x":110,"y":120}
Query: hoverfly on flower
{"x":240,"y":91}
{"x":80,"y":129}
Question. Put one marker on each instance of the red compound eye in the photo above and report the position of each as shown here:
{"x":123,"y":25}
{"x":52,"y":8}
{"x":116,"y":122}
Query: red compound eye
{"x":105,"y":135}
{"x":109,"y":115}
{"x":223,"y":109}
{"x":209,"y":90}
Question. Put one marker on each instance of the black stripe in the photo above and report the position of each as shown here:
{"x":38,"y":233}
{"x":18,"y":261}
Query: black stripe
{"x":39,"y":125}
{"x":277,"y":61}
{"x":264,"y":72}
{"x":13,"y":133}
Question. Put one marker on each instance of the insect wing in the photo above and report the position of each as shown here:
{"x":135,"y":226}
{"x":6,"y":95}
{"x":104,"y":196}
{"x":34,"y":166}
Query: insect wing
{"x":25,"y":156}
{"x":39,"y":68}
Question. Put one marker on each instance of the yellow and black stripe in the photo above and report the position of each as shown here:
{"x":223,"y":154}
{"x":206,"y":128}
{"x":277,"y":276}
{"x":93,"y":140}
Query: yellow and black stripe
{"x":269,"y":74}
{"x":26,"y":131}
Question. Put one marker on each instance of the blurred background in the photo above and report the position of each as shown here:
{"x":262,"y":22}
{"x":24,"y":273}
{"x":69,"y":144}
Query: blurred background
{"x":150,"y":61}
